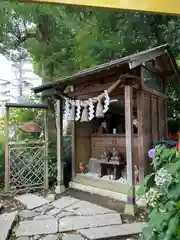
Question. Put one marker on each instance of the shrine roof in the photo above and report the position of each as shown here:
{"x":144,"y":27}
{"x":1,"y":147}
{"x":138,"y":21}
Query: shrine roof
{"x":161,"y":53}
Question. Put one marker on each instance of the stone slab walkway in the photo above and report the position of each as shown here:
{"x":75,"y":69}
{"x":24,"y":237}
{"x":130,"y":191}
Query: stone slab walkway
{"x":31,"y":201}
{"x":6,"y":222}
{"x":67,"y":218}
{"x":72,"y":223}
{"x":37,"y":227}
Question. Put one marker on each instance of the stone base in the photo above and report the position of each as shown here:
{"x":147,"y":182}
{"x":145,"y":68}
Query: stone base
{"x":60,"y":189}
{"x":130,"y":209}
{"x":105,"y":193}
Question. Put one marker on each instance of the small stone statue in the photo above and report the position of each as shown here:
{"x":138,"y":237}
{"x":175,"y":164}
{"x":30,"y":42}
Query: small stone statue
{"x":106,"y":155}
{"x":115,"y":155}
{"x":102,"y":128}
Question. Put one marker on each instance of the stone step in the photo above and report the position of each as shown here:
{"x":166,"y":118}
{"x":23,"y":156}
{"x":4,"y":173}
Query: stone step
{"x":109,"y":232}
{"x":73,"y":223}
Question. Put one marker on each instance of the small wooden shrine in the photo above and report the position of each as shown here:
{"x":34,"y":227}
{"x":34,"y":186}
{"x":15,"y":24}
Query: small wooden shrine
{"x":118,"y":110}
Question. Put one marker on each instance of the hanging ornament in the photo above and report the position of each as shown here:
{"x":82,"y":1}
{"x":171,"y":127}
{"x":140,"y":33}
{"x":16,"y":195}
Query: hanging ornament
{"x":99,"y":109}
{"x":67,"y":109}
{"x":91,"y":110}
{"x":72,"y":111}
{"x":106,"y":101}
{"x":84,"y":117}
{"x":78,"y":110}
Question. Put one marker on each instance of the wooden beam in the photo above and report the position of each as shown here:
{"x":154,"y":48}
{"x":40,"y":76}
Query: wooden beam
{"x":150,"y":68}
{"x":61,"y":95}
{"x":26,"y":105}
{"x":153,"y":92}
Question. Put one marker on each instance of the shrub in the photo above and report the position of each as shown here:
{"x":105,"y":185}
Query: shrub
{"x":162,"y":192}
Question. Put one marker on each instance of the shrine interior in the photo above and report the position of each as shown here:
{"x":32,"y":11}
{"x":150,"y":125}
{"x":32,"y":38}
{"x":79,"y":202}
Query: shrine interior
{"x":108,"y":147}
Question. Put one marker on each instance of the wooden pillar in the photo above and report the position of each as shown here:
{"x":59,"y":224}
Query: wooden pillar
{"x":73,"y":168}
{"x":46,"y":177}
{"x":129,"y":209}
{"x":6,"y":132}
{"x":166,"y":118}
{"x":60,"y":164}
{"x":141,"y":135}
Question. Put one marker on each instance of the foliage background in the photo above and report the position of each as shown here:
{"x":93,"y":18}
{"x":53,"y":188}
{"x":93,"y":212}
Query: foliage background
{"x":62,"y":40}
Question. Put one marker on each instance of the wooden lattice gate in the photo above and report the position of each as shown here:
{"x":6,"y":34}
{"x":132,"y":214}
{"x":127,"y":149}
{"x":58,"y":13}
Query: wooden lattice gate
{"x":26,"y":147}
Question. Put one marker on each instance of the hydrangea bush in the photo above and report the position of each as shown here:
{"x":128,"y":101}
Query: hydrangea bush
{"x":161,"y":190}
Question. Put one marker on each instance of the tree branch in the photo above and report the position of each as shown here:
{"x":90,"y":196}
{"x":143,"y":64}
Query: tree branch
{"x":22,"y":39}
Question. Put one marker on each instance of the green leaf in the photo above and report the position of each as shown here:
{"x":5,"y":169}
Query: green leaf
{"x":146,"y":179}
{"x":147,"y":233}
{"x":174,"y":191}
{"x":172,"y":228}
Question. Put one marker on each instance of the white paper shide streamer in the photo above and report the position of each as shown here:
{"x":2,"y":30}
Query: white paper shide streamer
{"x":78,"y":110}
{"x":67,"y":109}
{"x":106,"y":101}
{"x":72,"y":111}
{"x":91,"y":110}
{"x":85,"y":110}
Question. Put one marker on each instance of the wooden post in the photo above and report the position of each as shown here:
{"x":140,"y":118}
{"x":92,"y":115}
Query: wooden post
{"x":129,"y":209}
{"x":140,"y":111}
{"x":73,"y":168}
{"x":46,"y":177}
{"x":60,"y":165}
{"x":6,"y":132}
{"x":166,"y":118}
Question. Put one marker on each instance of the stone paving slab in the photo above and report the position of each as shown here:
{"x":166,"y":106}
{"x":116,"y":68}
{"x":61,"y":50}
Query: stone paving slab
{"x":31,"y":201}
{"x":50,"y":237}
{"x":43,"y":209}
{"x":42,"y":217}
{"x":37,"y":227}
{"x":106,"y":232}
{"x":64,"y":214}
{"x":72,"y":223}
{"x":64,"y":202}
{"x":27,"y":214}
{"x":54,"y":211}
{"x":86,"y":208}
{"x":6,"y":222}
{"x":72,"y":237}
{"x":23,"y":238}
